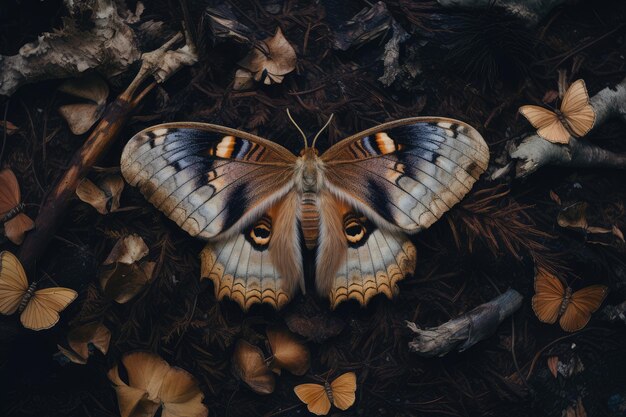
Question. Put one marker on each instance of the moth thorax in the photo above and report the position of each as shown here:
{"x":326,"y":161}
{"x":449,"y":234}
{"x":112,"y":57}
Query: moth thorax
{"x":310,"y":218}
{"x":27,"y":296}
{"x":329,"y":391}
{"x":12,"y":213}
{"x":566,"y":300}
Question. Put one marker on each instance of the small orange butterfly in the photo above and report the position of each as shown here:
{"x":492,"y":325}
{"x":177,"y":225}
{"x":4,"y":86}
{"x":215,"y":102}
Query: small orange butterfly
{"x":16,"y":223}
{"x":575,"y":118}
{"x":317,"y":397}
{"x":552,"y":299}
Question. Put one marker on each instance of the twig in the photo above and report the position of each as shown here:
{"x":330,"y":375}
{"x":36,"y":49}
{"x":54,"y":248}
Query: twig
{"x":466,"y":330}
{"x":161,"y":64}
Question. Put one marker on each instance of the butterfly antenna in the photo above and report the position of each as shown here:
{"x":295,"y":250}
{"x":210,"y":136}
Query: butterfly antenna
{"x":306,"y":145}
{"x":321,"y":130}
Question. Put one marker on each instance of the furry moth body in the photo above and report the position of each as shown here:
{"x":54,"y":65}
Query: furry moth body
{"x":255,"y":202}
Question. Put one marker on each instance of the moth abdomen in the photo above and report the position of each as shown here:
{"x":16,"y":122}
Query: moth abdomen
{"x":310,"y":218}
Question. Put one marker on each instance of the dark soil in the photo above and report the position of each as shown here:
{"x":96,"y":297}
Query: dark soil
{"x":475,"y":66}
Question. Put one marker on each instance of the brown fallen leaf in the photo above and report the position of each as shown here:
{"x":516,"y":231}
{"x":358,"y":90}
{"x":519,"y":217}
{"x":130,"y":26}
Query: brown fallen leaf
{"x":250,"y":367}
{"x":288,"y":351}
{"x":270,"y":59}
{"x":153,"y":384}
{"x":82,"y":116}
{"x":104,"y":197}
{"x":122,"y":275}
{"x":95,"y":334}
{"x":128,"y":249}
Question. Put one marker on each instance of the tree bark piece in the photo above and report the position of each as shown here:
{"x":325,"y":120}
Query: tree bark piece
{"x":109,"y":46}
{"x":534,"y":151}
{"x":466,"y":330}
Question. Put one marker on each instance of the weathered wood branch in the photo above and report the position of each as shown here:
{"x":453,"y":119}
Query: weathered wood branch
{"x":466,"y":330}
{"x":108,"y":45}
{"x":161,"y":64}
{"x":535,"y":152}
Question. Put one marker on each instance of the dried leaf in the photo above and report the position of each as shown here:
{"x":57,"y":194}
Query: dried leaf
{"x":270,"y":59}
{"x":95,"y":334}
{"x":244,"y":80}
{"x":122,"y":282}
{"x":104,"y":197}
{"x":574,"y":216}
{"x":250,"y":367}
{"x":72,"y":356}
{"x":82,"y":116}
{"x":153,"y":383}
{"x":127,"y":250}
{"x":288,"y":351}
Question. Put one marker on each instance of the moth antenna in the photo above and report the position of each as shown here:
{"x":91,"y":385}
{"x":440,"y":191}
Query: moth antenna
{"x":306,"y":145}
{"x":321,"y":130}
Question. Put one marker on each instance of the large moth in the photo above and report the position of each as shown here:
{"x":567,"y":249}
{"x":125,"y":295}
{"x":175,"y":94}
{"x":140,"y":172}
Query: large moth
{"x":261,"y":207}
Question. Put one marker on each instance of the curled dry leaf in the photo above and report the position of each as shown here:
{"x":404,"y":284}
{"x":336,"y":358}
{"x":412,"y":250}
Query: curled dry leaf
{"x":122,"y":282}
{"x":153,"y":383}
{"x":271,"y":59}
{"x":82,"y":116}
{"x":127,"y":250}
{"x":95,"y":334}
{"x":122,"y":275}
{"x":81,"y":338}
{"x":104,"y":197}
{"x":250,"y":367}
{"x":288,"y":352}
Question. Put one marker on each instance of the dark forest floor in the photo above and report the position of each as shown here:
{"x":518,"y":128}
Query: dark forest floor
{"x":490,"y":242}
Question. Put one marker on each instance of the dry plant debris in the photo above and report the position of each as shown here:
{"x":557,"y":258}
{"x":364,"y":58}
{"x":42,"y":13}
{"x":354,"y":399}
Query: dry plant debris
{"x":123,"y":276}
{"x":152,"y":385}
{"x":249,"y":366}
{"x":82,"y":339}
{"x":82,"y":116}
{"x":104,"y":197}
{"x":268,"y":61}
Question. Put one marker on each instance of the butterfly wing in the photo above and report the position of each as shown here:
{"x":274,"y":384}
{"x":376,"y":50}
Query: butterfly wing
{"x":315,"y":398}
{"x":208,"y":179}
{"x":401,"y":177}
{"x":547,"y":123}
{"x":576,"y":109}
{"x":42,"y":310}
{"x":356,"y":258}
{"x":13,"y":283}
{"x":16,"y":228}
{"x":583,"y":303}
{"x":549,"y":293}
{"x":406,"y":174}
{"x":263,"y":263}
{"x":344,"y":390}
{"x":9,"y":191}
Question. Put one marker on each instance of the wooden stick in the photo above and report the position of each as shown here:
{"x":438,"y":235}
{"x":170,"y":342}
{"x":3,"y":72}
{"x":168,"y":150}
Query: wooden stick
{"x":104,"y":134}
{"x":466,"y":330}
